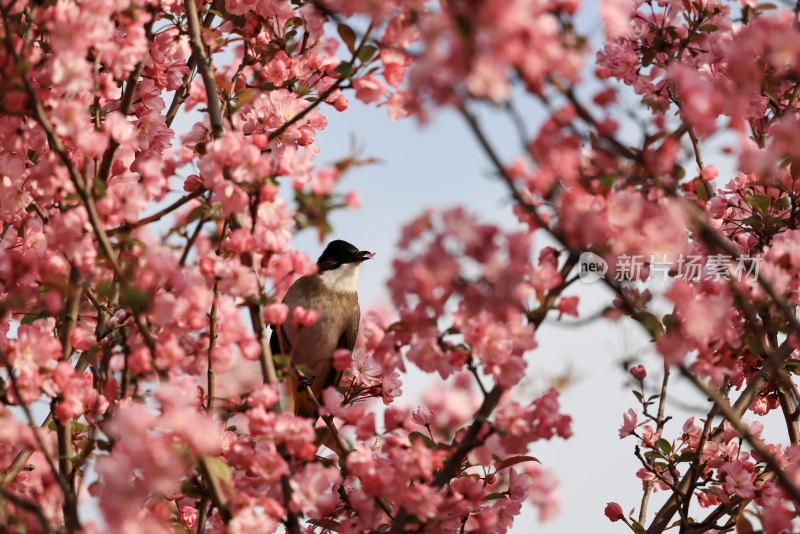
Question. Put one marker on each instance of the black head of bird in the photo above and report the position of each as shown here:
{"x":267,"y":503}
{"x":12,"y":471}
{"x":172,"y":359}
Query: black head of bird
{"x":339,"y":253}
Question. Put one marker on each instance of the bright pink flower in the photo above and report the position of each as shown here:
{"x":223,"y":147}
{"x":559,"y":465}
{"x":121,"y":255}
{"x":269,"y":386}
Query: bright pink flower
{"x":613,"y":511}
{"x":638,"y":372}
{"x":568,"y":305}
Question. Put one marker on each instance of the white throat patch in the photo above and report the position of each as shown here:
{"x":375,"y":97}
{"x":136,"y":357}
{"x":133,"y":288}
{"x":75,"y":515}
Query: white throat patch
{"x":343,"y":279}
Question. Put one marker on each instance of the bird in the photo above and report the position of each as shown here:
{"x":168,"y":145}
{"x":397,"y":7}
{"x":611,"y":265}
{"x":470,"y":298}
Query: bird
{"x":331,"y":291}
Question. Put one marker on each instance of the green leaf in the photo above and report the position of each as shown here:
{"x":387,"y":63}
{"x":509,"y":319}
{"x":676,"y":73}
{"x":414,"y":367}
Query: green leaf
{"x":766,"y":7}
{"x":754,"y":221}
{"x":493,"y":496}
{"x":648,"y":56}
{"x":29,"y":318}
{"x":345,"y":69}
{"x":414,"y":436}
{"x":218,"y":468}
{"x":348,"y":36}
{"x":701,"y":189}
{"x":514,"y":460}
{"x":196,"y":213}
{"x":708,"y":28}
{"x":135,"y":298}
{"x":366,"y":53}
{"x":664,"y":446}
{"x":281,"y":359}
{"x":292,"y":23}
{"x":191,"y":490}
{"x":650,"y":322}
{"x":793,"y":366}
{"x":759,"y":201}
{"x":100,"y":187}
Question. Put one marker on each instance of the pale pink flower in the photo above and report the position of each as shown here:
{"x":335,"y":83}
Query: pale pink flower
{"x":629,"y":423}
{"x":369,"y":89}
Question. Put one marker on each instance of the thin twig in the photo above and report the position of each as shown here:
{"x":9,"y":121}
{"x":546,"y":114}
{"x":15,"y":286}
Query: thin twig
{"x":212,"y":338}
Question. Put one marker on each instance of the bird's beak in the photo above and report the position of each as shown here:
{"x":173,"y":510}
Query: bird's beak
{"x":363,"y":255}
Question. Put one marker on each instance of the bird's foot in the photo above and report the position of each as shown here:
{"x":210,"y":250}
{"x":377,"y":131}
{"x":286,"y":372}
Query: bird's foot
{"x":305,"y":382}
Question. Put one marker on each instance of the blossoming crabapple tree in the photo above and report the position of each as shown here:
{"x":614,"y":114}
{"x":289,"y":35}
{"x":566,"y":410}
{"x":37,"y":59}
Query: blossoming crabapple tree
{"x":126,"y":314}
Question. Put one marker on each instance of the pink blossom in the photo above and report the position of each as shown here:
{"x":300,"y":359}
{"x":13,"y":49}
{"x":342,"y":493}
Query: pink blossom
{"x":303,"y":317}
{"x":369,"y":89}
{"x":188,"y":516}
{"x":422,"y":416}
{"x":311,"y":489}
{"x":568,"y":305}
{"x":276,"y":313}
{"x":613,"y":511}
{"x":366,"y":370}
{"x":638,"y":372}
{"x":629,"y":423}
{"x":342,"y":359}
{"x":738,"y":479}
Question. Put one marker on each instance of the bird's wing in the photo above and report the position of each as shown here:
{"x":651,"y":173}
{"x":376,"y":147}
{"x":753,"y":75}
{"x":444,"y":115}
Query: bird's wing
{"x":347,"y":340}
